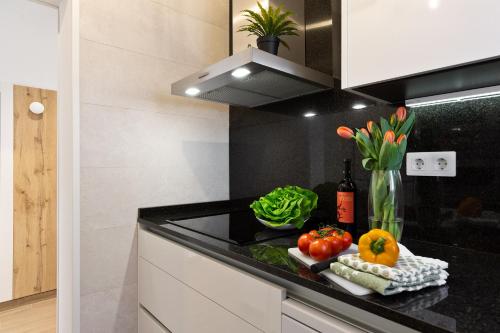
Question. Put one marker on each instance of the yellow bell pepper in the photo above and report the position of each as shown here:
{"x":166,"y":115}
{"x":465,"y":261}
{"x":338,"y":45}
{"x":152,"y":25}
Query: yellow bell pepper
{"x":379,"y":247}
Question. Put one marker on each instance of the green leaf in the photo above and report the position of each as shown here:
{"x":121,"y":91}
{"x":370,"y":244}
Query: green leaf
{"x":367,"y":143}
{"x":385,"y":126}
{"x":402,"y":146}
{"x":369,"y":163}
{"x":388,"y":155}
{"x":271,"y":22}
{"x":407,"y":126}
{"x":376,"y":137}
{"x":379,"y":193}
{"x":365,"y":152}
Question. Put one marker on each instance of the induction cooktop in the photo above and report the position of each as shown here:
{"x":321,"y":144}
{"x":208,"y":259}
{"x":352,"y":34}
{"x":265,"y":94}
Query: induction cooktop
{"x":239,"y":228}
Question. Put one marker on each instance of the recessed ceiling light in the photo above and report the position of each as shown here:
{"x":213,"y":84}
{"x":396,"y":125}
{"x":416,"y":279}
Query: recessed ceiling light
{"x":433,"y":4}
{"x":192,"y":91}
{"x":310,"y":114}
{"x":359,"y":106}
{"x":240,"y":72}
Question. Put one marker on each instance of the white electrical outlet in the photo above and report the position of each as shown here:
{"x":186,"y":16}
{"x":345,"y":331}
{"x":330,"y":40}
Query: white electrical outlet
{"x":436,"y":163}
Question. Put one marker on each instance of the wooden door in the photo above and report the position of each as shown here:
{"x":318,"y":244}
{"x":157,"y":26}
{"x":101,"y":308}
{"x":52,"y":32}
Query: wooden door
{"x":35,"y":184}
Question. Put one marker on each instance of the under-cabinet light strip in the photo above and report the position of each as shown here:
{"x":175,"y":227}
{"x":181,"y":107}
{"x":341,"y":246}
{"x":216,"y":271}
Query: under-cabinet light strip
{"x":462,"y":96}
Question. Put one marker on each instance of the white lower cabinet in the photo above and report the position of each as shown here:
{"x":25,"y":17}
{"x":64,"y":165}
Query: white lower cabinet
{"x":189,"y":292}
{"x":149,"y":324}
{"x":184,"y":291}
{"x":290,"y":325}
{"x":300,"y":318}
{"x":182,"y":309}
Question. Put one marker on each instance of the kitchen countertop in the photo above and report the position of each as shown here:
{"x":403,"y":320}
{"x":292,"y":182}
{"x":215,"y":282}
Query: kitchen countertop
{"x":470,"y":302}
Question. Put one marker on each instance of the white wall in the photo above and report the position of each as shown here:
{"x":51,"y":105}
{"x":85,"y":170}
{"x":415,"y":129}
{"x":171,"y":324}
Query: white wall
{"x":28,"y":37}
{"x":28,"y":56}
{"x":141,"y":146}
{"x":68,"y":171}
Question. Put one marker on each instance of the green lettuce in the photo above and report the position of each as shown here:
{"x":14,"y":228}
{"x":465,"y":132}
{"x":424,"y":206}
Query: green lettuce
{"x":287,"y":205}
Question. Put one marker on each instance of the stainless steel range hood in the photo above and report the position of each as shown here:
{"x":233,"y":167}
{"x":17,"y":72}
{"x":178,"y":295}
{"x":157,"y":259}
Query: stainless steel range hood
{"x":263,"y":78}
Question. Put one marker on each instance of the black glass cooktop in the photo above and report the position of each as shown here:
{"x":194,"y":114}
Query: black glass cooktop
{"x":236,"y":227}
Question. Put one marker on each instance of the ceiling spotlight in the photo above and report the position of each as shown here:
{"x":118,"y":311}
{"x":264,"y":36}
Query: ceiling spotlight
{"x":192,"y":91}
{"x":310,"y":114}
{"x":240,"y":72}
{"x":359,"y":106}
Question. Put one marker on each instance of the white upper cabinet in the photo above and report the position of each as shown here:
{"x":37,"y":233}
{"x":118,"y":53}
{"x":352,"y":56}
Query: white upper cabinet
{"x":389,"y":39}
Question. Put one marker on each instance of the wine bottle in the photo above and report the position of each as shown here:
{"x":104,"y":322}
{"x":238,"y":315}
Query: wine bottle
{"x":346,"y":201}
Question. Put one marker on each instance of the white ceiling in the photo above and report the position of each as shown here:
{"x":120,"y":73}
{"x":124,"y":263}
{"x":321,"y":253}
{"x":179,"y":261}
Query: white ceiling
{"x":54,"y":3}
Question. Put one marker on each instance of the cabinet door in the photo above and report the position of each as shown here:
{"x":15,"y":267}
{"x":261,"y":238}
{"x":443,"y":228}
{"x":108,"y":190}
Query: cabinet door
{"x":149,"y":324}
{"x":387,"y":39}
{"x":255,"y":300}
{"x":181,"y":308}
{"x":290,"y":325}
{"x":313,"y":319}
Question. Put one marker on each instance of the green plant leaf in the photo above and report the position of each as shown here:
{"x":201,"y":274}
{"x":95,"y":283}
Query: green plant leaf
{"x":366,"y":142}
{"x":369,"y":163}
{"x":388,"y":156}
{"x":408,"y":125}
{"x":285,"y":44}
{"x":365,"y":152}
{"x":271,"y":22}
{"x":376,"y":137}
{"x":384,"y":124}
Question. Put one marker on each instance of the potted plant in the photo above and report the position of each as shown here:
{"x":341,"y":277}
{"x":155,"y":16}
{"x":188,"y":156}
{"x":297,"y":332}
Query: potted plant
{"x":269,"y":26}
{"x":383,"y":147}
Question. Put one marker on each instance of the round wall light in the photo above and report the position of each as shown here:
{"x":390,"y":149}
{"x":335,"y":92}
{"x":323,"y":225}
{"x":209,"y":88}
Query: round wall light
{"x":37,"y":107}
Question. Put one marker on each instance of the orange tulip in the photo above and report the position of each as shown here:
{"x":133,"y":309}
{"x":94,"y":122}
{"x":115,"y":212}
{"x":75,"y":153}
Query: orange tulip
{"x":365,"y":132}
{"x":369,"y":125}
{"x":401,"y":113}
{"x":389,"y":136}
{"x":345,"y":132}
{"x":401,"y":138}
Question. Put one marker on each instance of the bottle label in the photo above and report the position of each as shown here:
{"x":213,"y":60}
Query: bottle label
{"x":345,"y":207}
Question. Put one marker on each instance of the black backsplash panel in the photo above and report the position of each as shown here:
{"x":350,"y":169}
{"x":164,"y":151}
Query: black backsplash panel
{"x":275,"y":145}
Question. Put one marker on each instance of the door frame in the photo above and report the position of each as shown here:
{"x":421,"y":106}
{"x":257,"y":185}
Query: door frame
{"x":68,"y":164}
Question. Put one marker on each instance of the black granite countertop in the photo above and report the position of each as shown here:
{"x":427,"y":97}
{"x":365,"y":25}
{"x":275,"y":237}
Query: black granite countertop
{"x":470,"y":302}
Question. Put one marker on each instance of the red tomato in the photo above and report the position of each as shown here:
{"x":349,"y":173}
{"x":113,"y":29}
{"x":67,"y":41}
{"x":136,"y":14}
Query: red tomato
{"x":320,"y":249}
{"x":314,"y":233}
{"x":346,"y":240}
{"x":335,"y":233}
{"x":335,"y":243}
{"x":304,"y":242}
{"x":326,"y":231}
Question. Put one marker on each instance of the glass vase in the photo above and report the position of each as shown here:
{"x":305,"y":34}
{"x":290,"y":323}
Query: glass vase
{"x":385,"y":202}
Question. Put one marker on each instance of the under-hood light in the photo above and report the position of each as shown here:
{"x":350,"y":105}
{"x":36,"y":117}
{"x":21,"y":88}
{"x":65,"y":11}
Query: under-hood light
{"x":192,"y":91}
{"x":359,"y":106}
{"x":240,"y":73}
{"x":310,"y":114}
{"x":463,"y":96}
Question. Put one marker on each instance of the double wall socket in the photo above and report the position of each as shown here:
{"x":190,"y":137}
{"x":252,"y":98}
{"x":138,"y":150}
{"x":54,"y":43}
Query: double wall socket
{"x":438,"y":163}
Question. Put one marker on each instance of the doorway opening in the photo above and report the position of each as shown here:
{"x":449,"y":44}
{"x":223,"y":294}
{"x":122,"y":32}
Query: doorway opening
{"x":29,"y":64}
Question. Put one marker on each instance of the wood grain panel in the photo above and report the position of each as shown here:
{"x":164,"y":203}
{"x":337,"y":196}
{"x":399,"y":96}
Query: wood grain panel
{"x":35,"y":184}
